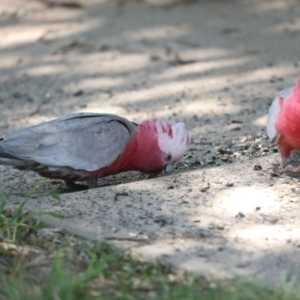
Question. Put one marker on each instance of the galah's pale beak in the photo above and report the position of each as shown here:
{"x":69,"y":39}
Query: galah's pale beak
{"x":168,"y":169}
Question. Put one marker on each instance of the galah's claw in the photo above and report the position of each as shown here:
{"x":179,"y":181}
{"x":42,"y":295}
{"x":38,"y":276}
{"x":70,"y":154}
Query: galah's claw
{"x":289,"y":168}
{"x":106,"y":183}
{"x":71,"y":186}
{"x":276,"y":168}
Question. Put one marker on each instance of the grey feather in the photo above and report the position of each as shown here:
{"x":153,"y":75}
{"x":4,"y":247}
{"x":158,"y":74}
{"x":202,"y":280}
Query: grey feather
{"x":81,"y":141}
{"x":274,"y":113}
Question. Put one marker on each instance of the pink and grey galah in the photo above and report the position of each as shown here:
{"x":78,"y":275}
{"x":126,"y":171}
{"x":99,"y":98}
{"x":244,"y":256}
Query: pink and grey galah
{"x":283,"y":124}
{"x":87,"y":146}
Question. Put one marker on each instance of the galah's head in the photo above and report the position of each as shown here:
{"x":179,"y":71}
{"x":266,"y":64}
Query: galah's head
{"x":171,"y":141}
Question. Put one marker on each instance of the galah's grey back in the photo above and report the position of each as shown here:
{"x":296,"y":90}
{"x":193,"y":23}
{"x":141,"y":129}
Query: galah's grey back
{"x":82,"y":141}
{"x":274,"y":113}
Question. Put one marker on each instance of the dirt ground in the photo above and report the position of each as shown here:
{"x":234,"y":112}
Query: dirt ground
{"x":215,"y":65}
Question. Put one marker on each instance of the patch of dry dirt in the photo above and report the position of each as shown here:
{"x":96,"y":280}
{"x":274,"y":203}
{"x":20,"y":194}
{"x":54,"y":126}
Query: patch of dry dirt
{"x":216,"y":65}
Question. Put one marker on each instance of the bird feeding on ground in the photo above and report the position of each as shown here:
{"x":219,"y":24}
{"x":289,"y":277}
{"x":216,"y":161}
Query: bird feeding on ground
{"x":87,"y":146}
{"x":283,"y":125}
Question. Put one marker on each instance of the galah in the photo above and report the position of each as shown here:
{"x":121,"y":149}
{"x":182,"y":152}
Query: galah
{"x":87,"y":146}
{"x":283,"y":124}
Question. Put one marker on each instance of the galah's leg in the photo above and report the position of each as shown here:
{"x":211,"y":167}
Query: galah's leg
{"x":92,"y":183}
{"x":285,"y":152}
{"x":71,"y":186}
{"x":285,"y":160}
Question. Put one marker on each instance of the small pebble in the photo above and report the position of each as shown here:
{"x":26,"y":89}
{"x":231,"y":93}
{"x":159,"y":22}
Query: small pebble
{"x":240,"y":215}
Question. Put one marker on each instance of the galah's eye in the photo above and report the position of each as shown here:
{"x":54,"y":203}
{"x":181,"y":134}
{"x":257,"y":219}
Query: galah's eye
{"x":167,"y":156}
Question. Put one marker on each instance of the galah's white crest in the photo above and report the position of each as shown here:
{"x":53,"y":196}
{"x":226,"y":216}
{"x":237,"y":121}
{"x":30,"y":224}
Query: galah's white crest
{"x":87,"y":146}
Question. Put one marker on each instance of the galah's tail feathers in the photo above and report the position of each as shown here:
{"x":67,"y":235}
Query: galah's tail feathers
{"x":274,"y":113}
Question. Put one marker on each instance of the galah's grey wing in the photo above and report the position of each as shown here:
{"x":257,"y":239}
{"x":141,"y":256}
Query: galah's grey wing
{"x":274,"y":113}
{"x":82,"y":141}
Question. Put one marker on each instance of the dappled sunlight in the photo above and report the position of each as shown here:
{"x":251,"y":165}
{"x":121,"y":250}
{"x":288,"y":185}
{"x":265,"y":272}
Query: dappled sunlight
{"x":202,"y":66}
{"x":46,"y":70}
{"x":148,"y":68}
{"x":167,"y":89}
{"x":247,"y":199}
{"x":269,"y":6}
{"x":10,"y":60}
{"x":111,"y":64}
{"x":262,"y":73}
{"x":289,"y":27}
{"x":273,"y":234}
{"x":158,"y":33}
{"x":161,"y":2}
{"x":261,"y":121}
{"x":210,"y":106}
{"x":20,"y":35}
{"x":34,"y":120}
{"x":95,"y":83}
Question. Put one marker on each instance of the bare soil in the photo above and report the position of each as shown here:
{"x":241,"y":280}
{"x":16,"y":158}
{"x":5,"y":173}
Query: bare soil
{"x":215,"y":65}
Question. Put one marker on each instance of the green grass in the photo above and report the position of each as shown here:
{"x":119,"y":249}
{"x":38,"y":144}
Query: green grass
{"x":37,"y":263}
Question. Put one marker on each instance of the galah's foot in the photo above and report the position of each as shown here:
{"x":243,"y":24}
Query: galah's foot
{"x":289,"y":168}
{"x":71,"y":186}
{"x":106,"y":183}
{"x":93,"y":183}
